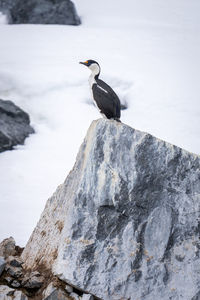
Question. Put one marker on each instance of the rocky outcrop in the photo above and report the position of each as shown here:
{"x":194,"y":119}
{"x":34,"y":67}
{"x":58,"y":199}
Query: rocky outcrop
{"x":14,"y":125}
{"x":7,"y":293}
{"x":18,"y":283}
{"x":125,"y":223}
{"x":40,"y":12}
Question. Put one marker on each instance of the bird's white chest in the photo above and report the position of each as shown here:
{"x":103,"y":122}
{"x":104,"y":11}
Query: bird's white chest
{"x":91,"y":81}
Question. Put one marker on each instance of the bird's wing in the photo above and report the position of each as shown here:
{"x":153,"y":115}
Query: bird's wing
{"x":106,"y":99}
{"x":107,"y":87}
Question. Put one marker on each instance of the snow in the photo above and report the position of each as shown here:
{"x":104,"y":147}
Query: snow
{"x":149,"y":53}
{"x":3,"y":19}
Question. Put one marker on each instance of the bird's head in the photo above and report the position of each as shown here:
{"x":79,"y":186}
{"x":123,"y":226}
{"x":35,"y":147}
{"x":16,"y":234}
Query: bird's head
{"x":92,"y":65}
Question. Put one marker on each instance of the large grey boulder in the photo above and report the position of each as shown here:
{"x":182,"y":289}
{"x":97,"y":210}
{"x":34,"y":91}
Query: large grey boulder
{"x":40,"y":12}
{"x":14,"y":125}
{"x":125,"y":223}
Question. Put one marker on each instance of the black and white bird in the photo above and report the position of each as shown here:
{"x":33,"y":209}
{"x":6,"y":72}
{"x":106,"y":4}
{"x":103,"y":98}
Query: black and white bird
{"x":103,"y":95}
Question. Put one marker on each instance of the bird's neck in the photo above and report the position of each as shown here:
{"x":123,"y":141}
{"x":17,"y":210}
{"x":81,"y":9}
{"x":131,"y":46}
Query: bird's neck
{"x":95,"y":70}
{"x":93,"y":78}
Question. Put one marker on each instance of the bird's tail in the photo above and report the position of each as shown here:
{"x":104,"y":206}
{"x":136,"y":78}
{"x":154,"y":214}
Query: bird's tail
{"x":118,"y":120}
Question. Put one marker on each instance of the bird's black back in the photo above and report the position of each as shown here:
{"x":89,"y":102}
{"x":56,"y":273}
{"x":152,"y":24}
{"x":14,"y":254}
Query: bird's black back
{"x":106,"y":99}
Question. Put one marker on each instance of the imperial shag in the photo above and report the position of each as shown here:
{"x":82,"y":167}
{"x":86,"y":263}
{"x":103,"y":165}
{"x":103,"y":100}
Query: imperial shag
{"x":103,"y":95}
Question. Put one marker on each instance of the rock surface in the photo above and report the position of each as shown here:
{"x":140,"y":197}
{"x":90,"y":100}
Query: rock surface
{"x":87,"y":297}
{"x":7,"y":293}
{"x":2,"y":264}
{"x":58,"y":294}
{"x":7,"y":247}
{"x":125,"y":223}
{"x":14,"y":125}
{"x":14,"y":271}
{"x":68,"y":288}
{"x":49,"y":290}
{"x":33,"y":281}
{"x":40,"y":12}
{"x":74,"y":296}
{"x":15,"y":261}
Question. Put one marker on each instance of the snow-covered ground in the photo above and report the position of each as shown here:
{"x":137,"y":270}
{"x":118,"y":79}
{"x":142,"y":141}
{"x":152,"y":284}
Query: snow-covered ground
{"x":149,"y":53}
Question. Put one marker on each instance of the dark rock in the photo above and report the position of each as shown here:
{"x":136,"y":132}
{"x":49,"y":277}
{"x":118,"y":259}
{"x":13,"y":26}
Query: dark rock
{"x":196,"y":297}
{"x":7,"y":246}
{"x":5,"y":142}
{"x":14,"y":125}
{"x":19,"y":251}
{"x":15,"y":261}
{"x":2,"y":264}
{"x":15,"y":272}
{"x":33,"y":280}
{"x":15,"y":284}
{"x":128,"y":209}
{"x":8,"y":279}
{"x":40,"y":12}
{"x":57,"y":294}
{"x":6,"y":4}
{"x":35,"y":274}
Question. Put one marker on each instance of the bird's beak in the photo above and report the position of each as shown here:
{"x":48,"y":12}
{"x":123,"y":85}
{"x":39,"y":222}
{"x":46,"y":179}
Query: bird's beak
{"x":85,"y":63}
